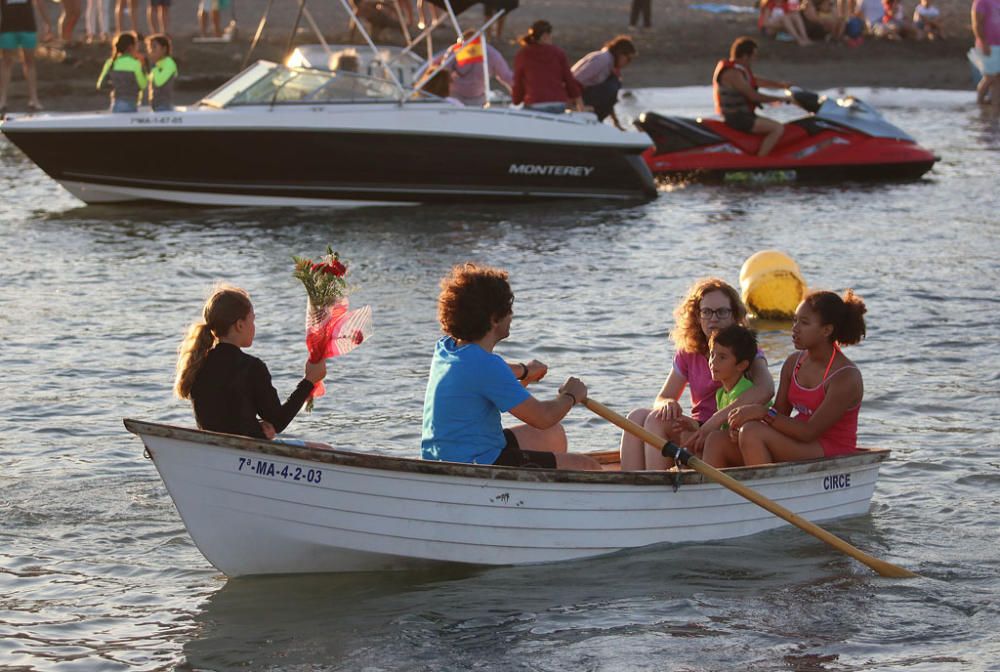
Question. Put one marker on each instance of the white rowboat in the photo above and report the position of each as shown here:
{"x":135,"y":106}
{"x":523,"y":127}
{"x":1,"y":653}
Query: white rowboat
{"x":263,"y":507}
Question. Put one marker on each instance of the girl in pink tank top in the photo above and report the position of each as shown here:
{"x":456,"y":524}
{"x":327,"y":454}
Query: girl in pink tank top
{"x":841,"y":438}
{"x":819,"y":383}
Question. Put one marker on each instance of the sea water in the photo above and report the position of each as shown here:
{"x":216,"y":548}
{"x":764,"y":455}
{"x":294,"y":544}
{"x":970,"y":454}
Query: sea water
{"x":98,"y":573}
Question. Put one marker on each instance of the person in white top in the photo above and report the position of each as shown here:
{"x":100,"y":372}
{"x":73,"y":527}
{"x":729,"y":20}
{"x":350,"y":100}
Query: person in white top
{"x":599,"y":73}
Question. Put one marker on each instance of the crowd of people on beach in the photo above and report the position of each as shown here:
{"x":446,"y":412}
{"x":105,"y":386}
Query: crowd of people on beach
{"x":735,"y":417}
{"x":848,"y":21}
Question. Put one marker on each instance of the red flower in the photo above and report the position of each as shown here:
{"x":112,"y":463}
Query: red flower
{"x":337,"y":268}
{"x":358,"y":338}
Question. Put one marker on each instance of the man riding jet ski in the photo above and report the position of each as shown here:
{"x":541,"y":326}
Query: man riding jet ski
{"x":840,"y":138}
{"x":737,"y":97}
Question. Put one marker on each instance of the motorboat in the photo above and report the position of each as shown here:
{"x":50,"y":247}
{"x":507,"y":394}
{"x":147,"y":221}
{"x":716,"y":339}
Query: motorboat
{"x":277,"y":134}
{"x":254,"y":506}
{"x":840,"y":139}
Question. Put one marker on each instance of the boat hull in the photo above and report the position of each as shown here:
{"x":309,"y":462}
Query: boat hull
{"x":315,"y":157}
{"x":257,"y":507}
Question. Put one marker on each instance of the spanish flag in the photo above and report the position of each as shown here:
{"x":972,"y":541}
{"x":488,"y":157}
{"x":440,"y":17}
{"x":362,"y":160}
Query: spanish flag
{"x":470,"y":52}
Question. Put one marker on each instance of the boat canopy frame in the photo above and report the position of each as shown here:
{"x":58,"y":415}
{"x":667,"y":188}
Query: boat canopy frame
{"x":404,"y":94}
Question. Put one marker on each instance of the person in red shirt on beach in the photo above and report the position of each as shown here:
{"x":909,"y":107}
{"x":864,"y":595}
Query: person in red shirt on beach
{"x":542,"y":78}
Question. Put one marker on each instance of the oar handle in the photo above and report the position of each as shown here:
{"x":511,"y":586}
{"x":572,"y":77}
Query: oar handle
{"x":708,"y":471}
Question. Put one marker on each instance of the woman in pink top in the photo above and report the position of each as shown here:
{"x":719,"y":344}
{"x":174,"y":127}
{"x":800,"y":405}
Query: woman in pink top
{"x":986,"y":54}
{"x":542,"y":78}
{"x":710,"y":306}
{"x":818,"y":382}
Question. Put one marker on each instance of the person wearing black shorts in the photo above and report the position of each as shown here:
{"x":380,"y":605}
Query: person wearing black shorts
{"x":469,"y":386}
{"x":737,"y":97}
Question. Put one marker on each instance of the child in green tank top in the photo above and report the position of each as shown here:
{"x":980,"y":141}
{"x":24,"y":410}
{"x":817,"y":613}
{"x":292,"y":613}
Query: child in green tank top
{"x":731,"y":351}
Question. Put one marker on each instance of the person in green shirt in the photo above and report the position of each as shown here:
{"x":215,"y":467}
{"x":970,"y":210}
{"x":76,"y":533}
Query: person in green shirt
{"x":124,"y":73}
{"x":731,"y":351}
{"x":163,"y":74}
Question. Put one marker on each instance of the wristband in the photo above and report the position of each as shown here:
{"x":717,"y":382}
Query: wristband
{"x":571,"y":396}
{"x":524,"y":374}
{"x":772,"y":413}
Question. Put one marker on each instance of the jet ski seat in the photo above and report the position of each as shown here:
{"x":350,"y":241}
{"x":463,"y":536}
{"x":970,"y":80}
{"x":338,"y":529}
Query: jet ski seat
{"x":750,"y":143}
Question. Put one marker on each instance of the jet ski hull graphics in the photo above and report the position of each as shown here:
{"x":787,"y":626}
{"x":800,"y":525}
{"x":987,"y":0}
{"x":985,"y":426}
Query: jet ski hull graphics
{"x":835,"y":147}
{"x":318,"y":156}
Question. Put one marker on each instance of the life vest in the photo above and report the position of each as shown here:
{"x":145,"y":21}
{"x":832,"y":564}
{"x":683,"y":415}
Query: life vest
{"x":729,"y":101}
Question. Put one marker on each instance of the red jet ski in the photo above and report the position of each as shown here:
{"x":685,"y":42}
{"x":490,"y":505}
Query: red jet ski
{"x":842,"y":139}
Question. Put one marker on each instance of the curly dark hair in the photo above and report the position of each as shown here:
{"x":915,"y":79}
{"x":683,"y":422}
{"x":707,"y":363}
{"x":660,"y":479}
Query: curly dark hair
{"x":471,"y":298}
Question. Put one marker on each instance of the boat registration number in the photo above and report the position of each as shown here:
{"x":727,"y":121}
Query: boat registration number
{"x":285,"y":472}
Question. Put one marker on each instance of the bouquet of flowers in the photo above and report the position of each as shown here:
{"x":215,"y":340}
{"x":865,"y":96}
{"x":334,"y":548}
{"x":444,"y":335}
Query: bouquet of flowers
{"x":332,"y":329}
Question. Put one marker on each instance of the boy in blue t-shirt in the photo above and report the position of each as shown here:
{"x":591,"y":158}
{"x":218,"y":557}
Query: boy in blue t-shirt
{"x":469,"y":386}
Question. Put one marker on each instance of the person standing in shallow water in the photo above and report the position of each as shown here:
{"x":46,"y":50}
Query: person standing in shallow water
{"x":231,"y":392}
{"x":818,"y":382}
{"x":469,"y":386}
{"x":986,"y":52}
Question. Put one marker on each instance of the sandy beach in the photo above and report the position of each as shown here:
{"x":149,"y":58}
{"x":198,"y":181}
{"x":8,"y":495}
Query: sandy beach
{"x":680,"y":49}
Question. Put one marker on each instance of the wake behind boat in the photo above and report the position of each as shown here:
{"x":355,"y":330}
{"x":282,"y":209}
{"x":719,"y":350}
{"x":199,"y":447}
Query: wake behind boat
{"x":262,"y":507}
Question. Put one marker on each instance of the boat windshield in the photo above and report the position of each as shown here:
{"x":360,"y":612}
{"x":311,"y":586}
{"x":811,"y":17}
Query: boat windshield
{"x":266,"y":83}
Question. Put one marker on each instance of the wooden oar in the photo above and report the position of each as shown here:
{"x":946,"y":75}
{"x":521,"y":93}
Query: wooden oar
{"x":682,"y":456}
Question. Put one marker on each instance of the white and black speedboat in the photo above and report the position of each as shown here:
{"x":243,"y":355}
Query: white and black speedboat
{"x":276,"y":135}
{"x":282,"y":135}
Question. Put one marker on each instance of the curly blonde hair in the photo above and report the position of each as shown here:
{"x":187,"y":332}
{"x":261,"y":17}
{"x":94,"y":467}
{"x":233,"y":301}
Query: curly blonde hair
{"x":687,"y":333}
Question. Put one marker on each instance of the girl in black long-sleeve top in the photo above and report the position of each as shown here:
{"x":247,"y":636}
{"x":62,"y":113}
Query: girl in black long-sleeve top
{"x":231,"y":391}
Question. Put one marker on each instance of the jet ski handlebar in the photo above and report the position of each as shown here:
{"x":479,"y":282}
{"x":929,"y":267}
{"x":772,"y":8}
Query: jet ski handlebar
{"x":807,"y":100}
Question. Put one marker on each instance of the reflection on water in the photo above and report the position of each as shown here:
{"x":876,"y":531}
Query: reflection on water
{"x":97,"y":572}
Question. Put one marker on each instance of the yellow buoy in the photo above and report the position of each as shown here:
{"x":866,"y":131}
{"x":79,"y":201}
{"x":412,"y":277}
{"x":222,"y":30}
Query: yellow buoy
{"x":771,"y":285}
